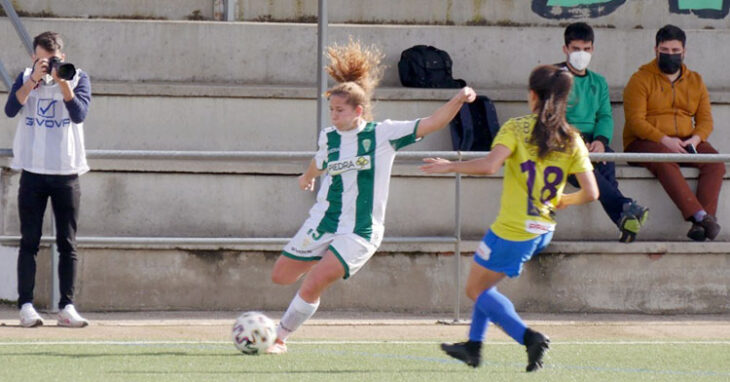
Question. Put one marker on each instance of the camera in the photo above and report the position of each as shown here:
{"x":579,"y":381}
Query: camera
{"x":65,"y":70}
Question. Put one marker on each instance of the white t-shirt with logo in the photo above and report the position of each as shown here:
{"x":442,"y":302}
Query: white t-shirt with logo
{"x":46,"y":140}
{"x":358,"y":164}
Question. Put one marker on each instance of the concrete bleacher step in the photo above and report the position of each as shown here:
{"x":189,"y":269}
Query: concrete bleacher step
{"x":568,"y":277}
{"x":485,"y":56}
{"x":247,"y":200}
{"x":215,"y":116}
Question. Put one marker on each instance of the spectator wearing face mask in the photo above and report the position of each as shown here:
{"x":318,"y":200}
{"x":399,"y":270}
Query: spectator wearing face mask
{"x":667,"y":110}
{"x":589,"y":111}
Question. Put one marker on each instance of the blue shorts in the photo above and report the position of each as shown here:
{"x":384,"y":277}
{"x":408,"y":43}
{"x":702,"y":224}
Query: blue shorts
{"x":507,"y":256}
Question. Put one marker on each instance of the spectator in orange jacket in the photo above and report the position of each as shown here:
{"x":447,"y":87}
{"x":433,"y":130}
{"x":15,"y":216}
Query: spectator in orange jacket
{"x":667,"y":110}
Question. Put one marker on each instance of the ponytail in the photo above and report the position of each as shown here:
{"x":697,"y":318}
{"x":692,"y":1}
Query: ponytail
{"x":357,"y":70}
{"x":551,"y":132}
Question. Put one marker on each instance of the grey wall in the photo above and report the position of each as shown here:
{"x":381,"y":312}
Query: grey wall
{"x":243,"y":52}
{"x":393,"y":281}
{"x":629,"y":14}
{"x":617,"y":13}
{"x":174,"y":9}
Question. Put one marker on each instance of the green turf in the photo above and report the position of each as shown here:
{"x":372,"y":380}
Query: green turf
{"x":360,"y":362}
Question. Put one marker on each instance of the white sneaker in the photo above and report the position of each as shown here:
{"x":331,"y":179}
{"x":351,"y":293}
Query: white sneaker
{"x":29,"y":318}
{"x":69,"y":317}
{"x":279,"y":347}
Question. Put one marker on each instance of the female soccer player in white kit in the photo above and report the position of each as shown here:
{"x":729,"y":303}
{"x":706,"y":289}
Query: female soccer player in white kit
{"x":355,"y":157}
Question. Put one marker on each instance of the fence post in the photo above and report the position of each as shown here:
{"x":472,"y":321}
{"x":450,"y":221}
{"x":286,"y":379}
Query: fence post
{"x":322,"y":23}
{"x":229,"y":12}
{"x":55,"y":286}
{"x":457,"y":249}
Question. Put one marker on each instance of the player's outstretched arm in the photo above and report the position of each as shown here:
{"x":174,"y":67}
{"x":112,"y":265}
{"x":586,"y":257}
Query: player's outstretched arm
{"x":588,"y":191}
{"x":488,"y":165}
{"x":307,"y":179}
{"x":444,"y":114}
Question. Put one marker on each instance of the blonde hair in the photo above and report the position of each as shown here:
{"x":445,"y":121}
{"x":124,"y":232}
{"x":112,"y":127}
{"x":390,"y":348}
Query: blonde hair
{"x":357,"y":70}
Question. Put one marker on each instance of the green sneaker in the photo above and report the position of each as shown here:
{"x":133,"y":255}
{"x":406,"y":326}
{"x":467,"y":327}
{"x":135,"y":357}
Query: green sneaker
{"x":633,"y":217}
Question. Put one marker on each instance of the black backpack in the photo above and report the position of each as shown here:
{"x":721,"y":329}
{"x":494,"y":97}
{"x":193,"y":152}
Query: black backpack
{"x":476,"y":125}
{"x":424,"y":66}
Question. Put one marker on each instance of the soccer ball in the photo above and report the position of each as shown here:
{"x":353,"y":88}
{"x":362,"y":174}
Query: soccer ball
{"x":253,"y":333}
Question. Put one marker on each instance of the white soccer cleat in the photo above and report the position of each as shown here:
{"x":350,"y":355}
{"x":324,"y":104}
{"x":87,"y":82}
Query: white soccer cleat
{"x":69,"y":317}
{"x":29,"y":318}
{"x":279,"y":347}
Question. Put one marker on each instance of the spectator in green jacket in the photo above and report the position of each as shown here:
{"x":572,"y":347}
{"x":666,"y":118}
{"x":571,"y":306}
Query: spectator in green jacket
{"x":589,"y":110}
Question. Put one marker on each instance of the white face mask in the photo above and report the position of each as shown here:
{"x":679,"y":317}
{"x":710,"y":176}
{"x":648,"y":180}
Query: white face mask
{"x":579,"y":60}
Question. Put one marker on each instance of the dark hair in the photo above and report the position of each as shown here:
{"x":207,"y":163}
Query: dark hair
{"x":578,"y":31}
{"x":670,"y":32}
{"x":50,"y":41}
{"x":551,"y":132}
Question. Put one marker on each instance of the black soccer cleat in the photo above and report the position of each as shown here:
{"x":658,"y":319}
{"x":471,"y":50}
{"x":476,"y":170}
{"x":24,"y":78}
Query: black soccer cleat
{"x":467,"y":352}
{"x":537,"y":345}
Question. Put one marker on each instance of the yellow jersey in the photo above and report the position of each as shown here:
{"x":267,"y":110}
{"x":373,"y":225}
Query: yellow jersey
{"x":532,"y":186}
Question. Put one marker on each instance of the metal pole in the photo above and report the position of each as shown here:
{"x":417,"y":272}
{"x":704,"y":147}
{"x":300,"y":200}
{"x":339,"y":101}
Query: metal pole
{"x":55,"y":288}
{"x":19,"y":28}
{"x":321,"y":75}
{"x":401,"y":157}
{"x":457,"y":246}
{"x":14,"y":240}
{"x":230,"y":10}
{"x":5,"y":77}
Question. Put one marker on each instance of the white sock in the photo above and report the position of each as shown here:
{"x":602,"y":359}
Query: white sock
{"x":298,"y":312}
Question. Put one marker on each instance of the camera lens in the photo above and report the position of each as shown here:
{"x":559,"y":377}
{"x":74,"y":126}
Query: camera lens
{"x":65,"y":70}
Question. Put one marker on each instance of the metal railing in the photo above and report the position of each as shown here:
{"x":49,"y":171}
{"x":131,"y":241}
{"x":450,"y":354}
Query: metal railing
{"x":22,"y":34}
{"x":401,"y":156}
{"x":304,"y":155}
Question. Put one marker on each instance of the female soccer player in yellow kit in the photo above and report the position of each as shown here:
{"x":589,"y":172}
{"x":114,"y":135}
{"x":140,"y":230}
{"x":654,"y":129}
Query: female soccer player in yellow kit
{"x":539,"y":151}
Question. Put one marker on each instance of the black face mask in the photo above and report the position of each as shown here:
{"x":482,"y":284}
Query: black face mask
{"x":670,"y":63}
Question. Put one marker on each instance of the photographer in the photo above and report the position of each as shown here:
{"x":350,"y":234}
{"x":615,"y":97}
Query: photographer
{"x":52,"y":99}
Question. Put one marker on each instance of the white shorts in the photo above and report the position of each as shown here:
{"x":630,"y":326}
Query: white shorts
{"x":352,"y":250}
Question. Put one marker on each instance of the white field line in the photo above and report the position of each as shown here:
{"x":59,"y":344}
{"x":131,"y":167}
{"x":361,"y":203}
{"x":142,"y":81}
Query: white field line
{"x":333,"y":342}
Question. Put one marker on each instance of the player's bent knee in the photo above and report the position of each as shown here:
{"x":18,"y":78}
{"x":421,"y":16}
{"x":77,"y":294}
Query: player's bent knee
{"x":280,"y":277}
{"x":315,"y":284}
{"x":277,"y":279}
{"x":473,"y":292}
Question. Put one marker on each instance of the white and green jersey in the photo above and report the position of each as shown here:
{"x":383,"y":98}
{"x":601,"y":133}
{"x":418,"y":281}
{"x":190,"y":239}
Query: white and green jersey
{"x":355,"y":186}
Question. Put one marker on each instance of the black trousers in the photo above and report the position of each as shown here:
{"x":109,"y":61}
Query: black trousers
{"x":65,"y":194}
